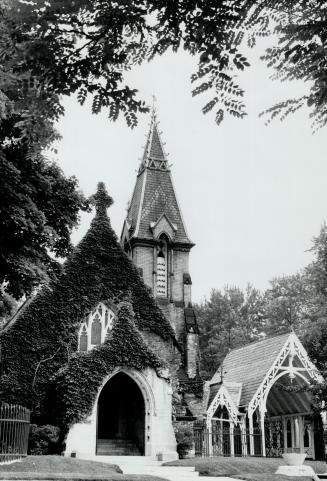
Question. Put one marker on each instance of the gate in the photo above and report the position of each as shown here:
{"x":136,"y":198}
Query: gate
{"x":14,"y":431}
{"x":225,"y":440}
{"x":274,"y":436}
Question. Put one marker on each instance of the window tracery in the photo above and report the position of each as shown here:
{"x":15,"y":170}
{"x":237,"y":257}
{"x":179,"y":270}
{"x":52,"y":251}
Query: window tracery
{"x":94,"y":328}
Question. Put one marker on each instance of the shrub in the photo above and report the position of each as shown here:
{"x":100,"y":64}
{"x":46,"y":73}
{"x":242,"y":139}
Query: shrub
{"x":185,"y":440}
{"x":43,"y":439}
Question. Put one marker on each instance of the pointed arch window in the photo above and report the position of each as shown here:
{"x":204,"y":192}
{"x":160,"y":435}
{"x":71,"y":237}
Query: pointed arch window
{"x":96,"y":331}
{"x":83,"y":340}
{"x":162,"y":268}
{"x":95,"y":327}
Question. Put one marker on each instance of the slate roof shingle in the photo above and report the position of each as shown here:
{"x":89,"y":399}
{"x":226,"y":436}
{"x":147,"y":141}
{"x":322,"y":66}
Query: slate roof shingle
{"x":249,"y":365}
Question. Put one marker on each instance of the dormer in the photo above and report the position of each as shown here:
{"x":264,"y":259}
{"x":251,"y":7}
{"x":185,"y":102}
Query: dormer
{"x":163,"y":226}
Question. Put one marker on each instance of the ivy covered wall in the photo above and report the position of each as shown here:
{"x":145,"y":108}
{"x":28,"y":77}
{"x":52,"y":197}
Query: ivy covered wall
{"x":39,"y":355}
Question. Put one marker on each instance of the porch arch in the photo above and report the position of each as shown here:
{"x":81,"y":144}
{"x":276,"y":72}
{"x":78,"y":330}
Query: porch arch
{"x":278,"y":376}
{"x":137,"y":405}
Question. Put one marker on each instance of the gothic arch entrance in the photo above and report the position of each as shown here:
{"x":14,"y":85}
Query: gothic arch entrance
{"x":121,"y":417}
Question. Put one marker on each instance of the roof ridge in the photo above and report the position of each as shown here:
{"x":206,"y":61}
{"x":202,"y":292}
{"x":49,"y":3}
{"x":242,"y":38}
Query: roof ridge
{"x":251,"y":343}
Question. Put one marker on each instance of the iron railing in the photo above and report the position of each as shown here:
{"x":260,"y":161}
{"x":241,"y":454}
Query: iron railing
{"x":222,"y":441}
{"x":14,"y":431}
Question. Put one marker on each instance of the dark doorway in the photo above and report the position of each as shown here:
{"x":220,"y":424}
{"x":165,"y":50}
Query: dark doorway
{"x":121,"y":418}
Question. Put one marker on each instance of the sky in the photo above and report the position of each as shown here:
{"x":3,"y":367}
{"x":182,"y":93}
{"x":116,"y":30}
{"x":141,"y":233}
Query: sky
{"x":252,"y":196}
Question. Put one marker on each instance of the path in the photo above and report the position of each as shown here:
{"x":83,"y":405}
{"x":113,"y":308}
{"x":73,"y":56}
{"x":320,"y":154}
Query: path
{"x":171,"y":473}
{"x":146,"y":465}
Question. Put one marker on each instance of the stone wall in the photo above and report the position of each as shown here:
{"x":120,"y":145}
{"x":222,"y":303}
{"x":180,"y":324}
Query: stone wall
{"x":159,"y":433}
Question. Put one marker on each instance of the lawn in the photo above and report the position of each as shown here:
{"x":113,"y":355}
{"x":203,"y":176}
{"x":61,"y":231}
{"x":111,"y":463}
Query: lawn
{"x":254,"y":469}
{"x":59,"y":467}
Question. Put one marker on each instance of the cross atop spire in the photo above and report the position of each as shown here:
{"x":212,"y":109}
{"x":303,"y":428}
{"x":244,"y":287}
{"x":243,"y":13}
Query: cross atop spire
{"x":154,"y":156}
{"x":101,"y":199}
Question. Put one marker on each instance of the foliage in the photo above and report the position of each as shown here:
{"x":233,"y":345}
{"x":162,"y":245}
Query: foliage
{"x":227,"y":320}
{"x":59,"y":48}
{"x":43,"y":339}
{"x":39,"y":208}
{"x":7,"y":306}
{"x":287,"y":303}
{"x":43,"y":439}
{"x":300,"y":55}
{"x":184,"y":438}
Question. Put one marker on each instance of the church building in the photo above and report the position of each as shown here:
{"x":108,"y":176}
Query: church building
{"x":108,"y":351}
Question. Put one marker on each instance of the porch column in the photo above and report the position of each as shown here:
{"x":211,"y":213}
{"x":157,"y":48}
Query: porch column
{"x":251,"y":433}
{"x":263,"y":434}
{"x":323,"y":415}
{"x":231,"y":438}
{"x":221,"y":438}
{"x":284,"y":421}
{"x":312,"y":440}
{"x":209,"y":431}
{"x":301,"y":434}
{"x":244,"y":439}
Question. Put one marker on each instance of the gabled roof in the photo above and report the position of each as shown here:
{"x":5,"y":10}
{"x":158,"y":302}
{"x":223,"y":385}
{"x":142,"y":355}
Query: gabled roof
{"x":154,"y":195}
{"x":248,"y":365}
{"x":223,"y":397}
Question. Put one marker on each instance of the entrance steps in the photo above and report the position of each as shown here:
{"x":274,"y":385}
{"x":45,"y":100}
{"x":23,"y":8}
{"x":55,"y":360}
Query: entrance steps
{"x":126,"y":460}
{"x":117,"y":447}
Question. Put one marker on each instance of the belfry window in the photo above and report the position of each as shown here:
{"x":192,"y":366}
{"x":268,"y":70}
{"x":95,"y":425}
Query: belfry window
{"x":95,"y":327}
{"x":162,"y":270}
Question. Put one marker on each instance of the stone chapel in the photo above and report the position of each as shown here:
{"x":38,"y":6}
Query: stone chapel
{"x":109,"y":350}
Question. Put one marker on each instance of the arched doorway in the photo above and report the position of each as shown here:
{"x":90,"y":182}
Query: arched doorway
{"x":121,"y":418}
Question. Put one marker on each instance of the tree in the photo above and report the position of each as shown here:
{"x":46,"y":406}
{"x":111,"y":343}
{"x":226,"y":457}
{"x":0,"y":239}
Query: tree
{"x":287,"y":303}
{"x":39,"y":207}
{"x":227,"y":320}
{"x":301,"y":27}
{"x":59,"y":48}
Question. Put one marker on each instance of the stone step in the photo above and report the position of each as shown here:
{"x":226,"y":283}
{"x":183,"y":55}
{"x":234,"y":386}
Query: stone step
{"x":117,"y":447}
{"x":118,"y":452}
{"x":125,"y":460}
{"x":130,"y":447}
{"x":115,"y":442}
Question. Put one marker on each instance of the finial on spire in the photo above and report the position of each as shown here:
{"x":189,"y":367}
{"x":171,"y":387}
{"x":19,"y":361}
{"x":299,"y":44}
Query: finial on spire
{"x":154,"y":100}
{"x":154,"y":156}
{"x":101,"y":200}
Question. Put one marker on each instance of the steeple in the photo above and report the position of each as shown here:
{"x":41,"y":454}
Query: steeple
{"x":155,"y":238}
{"x":154,"y":206}
{"x":154,"y":156}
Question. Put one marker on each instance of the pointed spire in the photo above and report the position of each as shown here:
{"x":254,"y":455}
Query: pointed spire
{"x":154,"y":156}
{"x":101,"y":199}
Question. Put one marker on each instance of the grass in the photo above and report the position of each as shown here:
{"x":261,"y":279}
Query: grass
{"x":271,"y":477}
{"x":253,"y":469}
{"x":62,"y":468}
